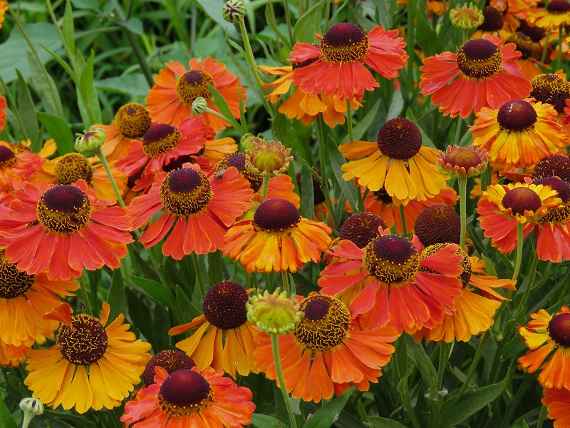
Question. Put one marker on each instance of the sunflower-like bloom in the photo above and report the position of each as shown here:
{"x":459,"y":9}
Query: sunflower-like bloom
{"x":12,"y":356}
{"x":176,"y":87}
{"x":194,"y":210}
{"x":339,"y":65}
{"x":328,"y":351}
{"x":397,"y":162}
{"x":557,"y":401}
{"x":223,"y":338}
{"x":62,"y":230}
{"x":463,"y":161}
{"x":554,"y":15}
{"x":483,"y":73}
{"x":390,"y":282}
{"x":519,"y":133}
{"x":501,"y":207}
{"x":276,"y":239}
{"x":548,"y":340}
{"x":93,"y":364}
{"x":190,"y":398}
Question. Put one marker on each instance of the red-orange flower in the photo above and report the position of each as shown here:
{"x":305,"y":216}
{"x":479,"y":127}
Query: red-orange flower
{"x":62,"y":230}
{"x":483,"y":73}
{"x":194,"y":211}
{"x":175,"y":88}
{"x":339,"y":65}
{"x":557,"y":401}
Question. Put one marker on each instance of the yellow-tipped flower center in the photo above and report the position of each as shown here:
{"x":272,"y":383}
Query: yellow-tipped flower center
{"x":72,"y":167}
{"x":63,"y":209}
{"x":193,"y":84}
{"x":83,"y":342}
{"x":479,"y":59}
{"x":13,"y":283}
{"x":344,"y":42}
{"x":133,"y":120}
{"x":391,"y":259}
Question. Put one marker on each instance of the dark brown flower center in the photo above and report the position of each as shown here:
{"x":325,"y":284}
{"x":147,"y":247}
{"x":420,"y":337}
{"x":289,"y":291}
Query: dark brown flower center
{"x":361,"y":228}
{"x":177,"y":163}
{"x":193,"y":84}
{"x":133,"y":120}
{"x":185,"y":191}
{"x":224,"y":305}
{"x":183,"y":392}
{"x":160,"y":138}
{"x":562,"y":187}
{"x":536,"y":34}
{"x":344,"y":42}
{"x":63,"y":209}
{"x":399,"y":138}
{"x":558,"y":6}
{"x":72,"y":167}
{"x":240,"y":161}
{"x":276,"y":215}
{"x":13,"y":283}
{"x":516,"y":116}
{"x":391,"y":259}
{"x":170,"y":360}
{"x":383,"y":196}
{"x":552,"y":89}
{"x":84,"y":341}
{"x":493,"y":19}
{"x":479,"y":59}
{"x":555,"y":165}
{"x":438,"y":224}
{"x":7,"y":157}
{"x":521,"y":199}
{"x":559,"y":329}
{"x":325,"y":323}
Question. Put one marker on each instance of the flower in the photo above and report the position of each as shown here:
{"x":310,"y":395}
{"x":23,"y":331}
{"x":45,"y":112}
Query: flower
{"x":189,"y":209}
{"x":61,"y":230}
{"x":276,"y":239}
{"x":274,"y":313}
{"x":438,"y":224}
{"x":328,"y":350}
{"x":90,"y":141}
{"x":24,"y":299}
{"x":268,"y":157}
{"x":529,"y":40}
{"x":463,"y":161}
{"x":361,"y":228}
{"x":518,"y":134}
{"x":390,"y":282}
{"x":557,"y":402}
{"x":553,"y":166}
{"x":176,"y":87}
{"x":493,"y":22}
{"x":3,"y":9}
{"x":170,"y":360}
{"x":483,"y":73}
{"x":552,"y":89}
{"x":466,"y":16}
{"x":339,"y":65}
{"x":555,"y":14}
{"x":92,"y":365}
{"x":190,"y":398}
{"x":233,"y":10}
{"x":12,"y":356}
{"x":501,"y":207}
{"x":397,"y":162}
{"x":242,"y":163}
{"x":548,"y":340}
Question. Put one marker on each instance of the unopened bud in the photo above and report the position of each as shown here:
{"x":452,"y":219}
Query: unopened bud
{"x":89,"y":142}
{"x":199,"y":105}
{"x":234,"y":10}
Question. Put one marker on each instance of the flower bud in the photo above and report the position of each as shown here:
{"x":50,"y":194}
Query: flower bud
{"x":269,"y":157}
{"x":89,"y":142}
{"x":31,"y":407}
{"x":466,"y":17}
{"x":274,"y":313}
{"x":234,"y":10}
{"x":199,"y":105}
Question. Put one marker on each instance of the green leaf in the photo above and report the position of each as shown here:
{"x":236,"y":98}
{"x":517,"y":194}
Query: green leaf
{"x":214,"y":9}
{"x":349,"y":191}
{"x":134,"y":25}
{"x":27,"y":116}
{"x":309,"y":24}
{"x":360,"y":129}
{"x":379,"y":422}
{"x":220,"y":102}
{"x":133,"y":85}
{"x":422,"y":360}
{"x":183,"y":308}
{"x":396,"y":105}
{"x":329,"y":412}
{"x":44,"y":85}
{"x":117,"y":297}
{"x":68,"y":32}
{"x":264,"y":421}
{"x":86,"y":4}
{"x":154,"y":289}
{"x":59,"y":130}
{"x":6,"y":419}
{"x":87,"y":95}
{"x":307,"y":195}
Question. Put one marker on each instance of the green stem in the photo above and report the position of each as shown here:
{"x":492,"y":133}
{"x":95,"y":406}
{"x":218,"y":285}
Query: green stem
{"x":27,"y":419}
{"x":473,"y":366}
{"x":114,"y":184}
{"x":272,"y":20}
{"x":518,"y":257}
{"x":541,"y":417}
{"x":463,"y":210}
{"x":288,"y":20}
{"x":140,"y":57}
{"x":197,"y":273}
{"x":560,"y":40}
{"x":222,"y":116}
{"x":286,"y":283}
{"x":281,"y":379}
{"x":265,"y":186}
{"x":349,"y":119}
{"x":403,"y":220}
{"x":444,"y":352}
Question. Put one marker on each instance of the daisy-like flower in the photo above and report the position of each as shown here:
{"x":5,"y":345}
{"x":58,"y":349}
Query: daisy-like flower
{"x":501,"y":207}
{"x":303,"y":106}
{"x":555,"y":14}
{"x":397,"y":162}
{"x":339,"y":65}
{"x":176,"y":87}
{"x":530,"y":41}
{"x":170,"y":360}
{"x":438,"y":224}
{"x":548,"y":340}
{"x":223,"y":337}
{"x":24,"y":299}
{"x":467,"y":16}
{"x":463,"y":161}
{"x":189,"y":209}
{"x":551,"y":88}
{"x":93,"y":364}
{"x":190,"y":398}
{"x":483,"y":73}
{"x":518,"y":134}
{"x":328,"y":350}
{"x":268,"y":157}
{"x":276,"y":239}
{"x":62,"y":230}
{"x":12,"y":356}
{"x":557,"y":402}
{"x":390,"y":282}
{"x":553,"y":166}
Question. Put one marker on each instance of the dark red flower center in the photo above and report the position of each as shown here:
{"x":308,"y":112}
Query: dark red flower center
{"x":133,"y":120}
{"x":555,"y":165}
{"x":562,"y":187}
{"x":558,"y":6}
{"x":185,"y":191}
{"x":361,"y":228}
{"x":184,"y":180}
{"x":193,"y":84}
{"x":7,"y":156}
{"x":344,"y":42}
{"x":63,"y":209}
{"x":479,"y":49}
{"x":516,"y":115}
{"x":170,"y":360}
{"x":344,"y":34}
{"x":13,"y":283}
{"x":84,"y":341}
{"x":399,"y":138}
{"x":276,"y":214}
{"x":224,"y":305}
{"x":394,"y":248}
{"x":552,"y":89}
{"x":559,"y":329}
{"x":185,"y":388}
{"x":536,"y":34}
{"x":391,"y":259}
{"x":64,"y":198}
{"x":479,"y":58}
{"x":316,"y":309}
{"x":521,"y":199}
{"x":438,"y":224}
{"x":160,"y":138}
{"x":493,"y":19}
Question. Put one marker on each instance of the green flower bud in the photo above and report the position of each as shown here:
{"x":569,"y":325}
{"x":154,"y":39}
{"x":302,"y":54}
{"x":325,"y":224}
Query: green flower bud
{"x":466,"y":17}
{"x":31,"y":407}
{"x":274,"y":313}
{"x":234,"y":10}
{"x":269,"y":157}
{"x":199,"y":105}
{"x":89,"y":142}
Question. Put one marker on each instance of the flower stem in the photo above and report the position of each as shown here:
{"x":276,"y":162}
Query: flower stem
{"x":281,"y":379}
{"x":286,"y":283}
{"x":27,"y":419}
{"x":288,"y":20}
{"x":473,"y":365}
{"x":114,"y":184}
{"x":463,"y":210}
{"x":518,"y":257}
{"x":349,"y":120}
{"x":403,"y":220}
{"x":265,"y":186}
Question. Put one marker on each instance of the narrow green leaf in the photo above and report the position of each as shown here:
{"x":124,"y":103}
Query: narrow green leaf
{"x":183,"y":308}
{"x":59,"y":130}
{"x":154,"y":289}
{"x":68,"y":32}
{"x":307,"y":193}
{"x":6,"y":419}
{"x":422,"y":360}
{"x":117,"y":297}
{"x":349,"y":191}
{"x":328,"y":413}
{"x":134,"y":25}
{"x":396,"y":105}
{"x":309,"y":24}
{"x":220,"y":102}
{"x":26,"y":110}
{"x":265,"y":421}
{"x":214,"y":9}
{"x":379,"y":422}
{"x":360,"y":129}
{"x":133,"y":85}
{"x":87,"y":94}
{"x":44,"y":85}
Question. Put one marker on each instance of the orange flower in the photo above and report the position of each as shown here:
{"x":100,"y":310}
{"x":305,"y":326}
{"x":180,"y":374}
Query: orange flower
{"x":390,"y":282}
{"x":554,"y":15}
{"x":175,"y":88}
{"x":170,"y":360}
{"x":194,"y":211}
{"x":3,"y":8}
{"x":548,"y":340}
{"x":483,"y":73}
{"x":12,"y":356}
{"x":557,"y":401}
{"x":339,"y":65}
{"x":61,"y":230}
{"x":190,"y":398}
{"x":277,"y":239}
{"x":327,"y":351}
{"x":552,"y":88}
